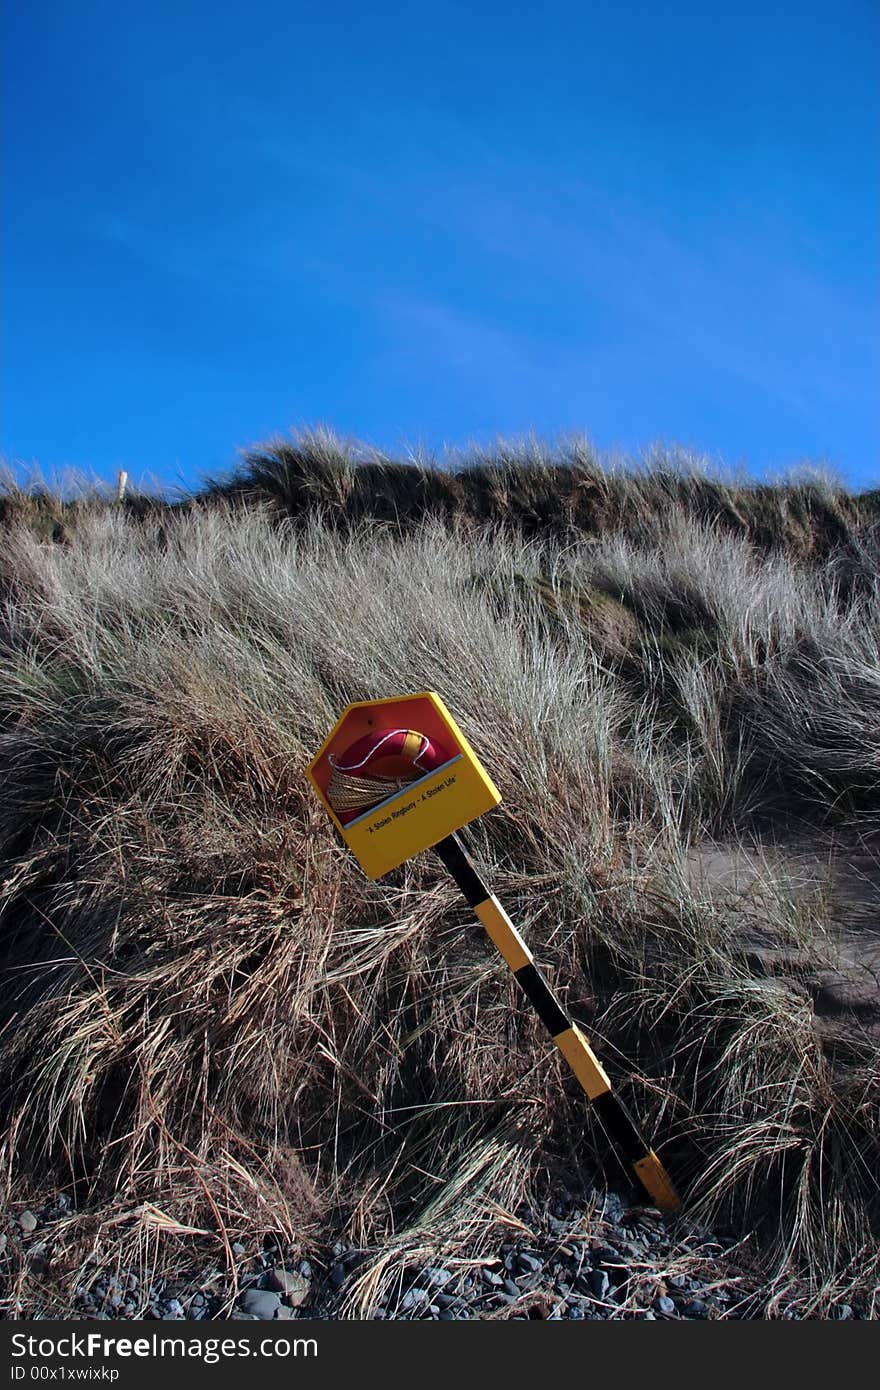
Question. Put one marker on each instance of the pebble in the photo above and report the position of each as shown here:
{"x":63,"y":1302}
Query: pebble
{"x":260,"y":1303}
{"x":38,"y":1258}
{"x":414,"y":1298}
{"x":292,"y":1285}
{"x":591,"y":1262}
{"x":614,"y":1208}
{"x":635,"y":1248}
{"x":697,"y":1308}
{"x":607,"y":1255}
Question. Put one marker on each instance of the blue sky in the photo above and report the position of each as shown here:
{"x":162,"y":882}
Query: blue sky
{"x":437,"y":223}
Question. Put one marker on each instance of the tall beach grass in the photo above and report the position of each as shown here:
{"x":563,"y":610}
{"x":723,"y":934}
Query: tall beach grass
{"x":211,"y":1015}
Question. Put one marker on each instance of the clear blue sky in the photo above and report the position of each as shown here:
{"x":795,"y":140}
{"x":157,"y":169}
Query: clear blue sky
{"x":435,"y":223}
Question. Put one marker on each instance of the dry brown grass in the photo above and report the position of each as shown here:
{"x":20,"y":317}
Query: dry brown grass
{"x":213,"y":1024}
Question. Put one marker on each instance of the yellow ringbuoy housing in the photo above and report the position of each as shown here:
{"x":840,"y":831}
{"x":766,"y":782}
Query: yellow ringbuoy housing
{"x":421,"y":813}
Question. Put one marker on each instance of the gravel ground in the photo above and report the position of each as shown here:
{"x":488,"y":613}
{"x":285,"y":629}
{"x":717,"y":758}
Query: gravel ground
{"x":605,"y":1260}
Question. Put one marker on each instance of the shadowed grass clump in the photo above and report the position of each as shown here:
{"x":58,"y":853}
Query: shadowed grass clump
{"x":211,"y":1015}
{"x":558,"y":490}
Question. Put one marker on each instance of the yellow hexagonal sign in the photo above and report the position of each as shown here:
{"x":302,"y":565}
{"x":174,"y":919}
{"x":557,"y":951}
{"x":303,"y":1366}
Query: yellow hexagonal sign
{"x":397,"y":776}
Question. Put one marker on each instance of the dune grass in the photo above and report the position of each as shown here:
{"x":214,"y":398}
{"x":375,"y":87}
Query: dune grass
{"x":213,"y":1023}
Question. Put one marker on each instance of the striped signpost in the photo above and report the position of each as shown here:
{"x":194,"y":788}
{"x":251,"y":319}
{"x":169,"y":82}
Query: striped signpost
{"x":398,"y":777}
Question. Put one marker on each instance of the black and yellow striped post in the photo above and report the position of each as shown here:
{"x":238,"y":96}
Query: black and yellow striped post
{"x":613,"y":1115}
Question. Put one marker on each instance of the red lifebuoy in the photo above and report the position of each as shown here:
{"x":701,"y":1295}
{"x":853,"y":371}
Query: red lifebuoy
{"x":377,"y":765}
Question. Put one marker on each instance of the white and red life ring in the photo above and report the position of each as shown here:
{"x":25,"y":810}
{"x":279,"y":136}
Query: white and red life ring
{"x":378,"y":764}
